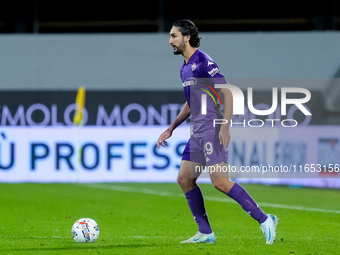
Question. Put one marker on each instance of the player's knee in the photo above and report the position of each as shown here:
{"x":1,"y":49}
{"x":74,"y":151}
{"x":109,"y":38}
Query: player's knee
{"x":182,"y":180}
{"x":223,"y":185}
{"x":185,"y":182}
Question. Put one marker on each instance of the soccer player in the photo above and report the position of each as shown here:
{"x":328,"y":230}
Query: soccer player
{"x":207,"y":145}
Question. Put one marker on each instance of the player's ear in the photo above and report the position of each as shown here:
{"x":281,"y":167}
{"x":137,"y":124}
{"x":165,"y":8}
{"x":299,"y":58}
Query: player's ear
{"x":187,"y":38}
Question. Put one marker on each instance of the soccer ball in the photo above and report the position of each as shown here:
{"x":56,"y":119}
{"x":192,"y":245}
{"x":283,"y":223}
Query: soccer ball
{"x":85,"y":230}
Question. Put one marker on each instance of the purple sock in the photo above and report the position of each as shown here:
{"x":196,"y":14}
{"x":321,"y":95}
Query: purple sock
{"x":241,"y":196}
{"x":196,"y":205}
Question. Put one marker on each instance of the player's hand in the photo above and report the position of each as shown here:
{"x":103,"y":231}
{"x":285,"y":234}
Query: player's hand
{"x":224,"y":136}
{"x":161,"y":140}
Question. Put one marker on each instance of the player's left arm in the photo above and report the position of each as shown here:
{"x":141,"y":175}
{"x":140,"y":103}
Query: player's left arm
{"x":224,"y":134}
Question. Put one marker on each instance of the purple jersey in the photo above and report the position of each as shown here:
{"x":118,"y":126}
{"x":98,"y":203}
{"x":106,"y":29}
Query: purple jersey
{"x":199,"y":76}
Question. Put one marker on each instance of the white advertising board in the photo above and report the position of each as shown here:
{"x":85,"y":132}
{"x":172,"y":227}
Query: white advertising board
{"x":299,"y":156}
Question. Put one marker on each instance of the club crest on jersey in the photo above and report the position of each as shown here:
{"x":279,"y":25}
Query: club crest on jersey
{"x":193,"y":67}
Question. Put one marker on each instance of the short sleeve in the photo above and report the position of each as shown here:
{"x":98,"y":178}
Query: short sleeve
{"x":211,"y":72}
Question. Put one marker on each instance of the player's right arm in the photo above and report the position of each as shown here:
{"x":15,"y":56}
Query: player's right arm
{"x":181,"y":117}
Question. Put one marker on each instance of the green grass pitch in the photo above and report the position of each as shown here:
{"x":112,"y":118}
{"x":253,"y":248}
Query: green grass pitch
{"x":144,"y":218}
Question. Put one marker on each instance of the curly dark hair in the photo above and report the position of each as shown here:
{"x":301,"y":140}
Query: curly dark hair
{"x":187,"y":27}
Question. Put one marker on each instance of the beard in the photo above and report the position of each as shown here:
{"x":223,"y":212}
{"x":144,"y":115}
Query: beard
{"x":177,"y":52}
{"x":179,"y":49}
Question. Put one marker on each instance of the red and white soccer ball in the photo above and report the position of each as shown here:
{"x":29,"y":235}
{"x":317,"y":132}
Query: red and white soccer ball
{"x":85,"y":230}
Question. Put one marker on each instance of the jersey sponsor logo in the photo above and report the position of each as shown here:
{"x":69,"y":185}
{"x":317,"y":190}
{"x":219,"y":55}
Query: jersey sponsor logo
{"x":193,"y":67}
{"x":210,"y":63}
{"x":190,"y":81}
{"x":213,"y":71}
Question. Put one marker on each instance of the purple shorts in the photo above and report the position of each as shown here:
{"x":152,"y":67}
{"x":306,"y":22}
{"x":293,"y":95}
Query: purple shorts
{"x":205,"y":150}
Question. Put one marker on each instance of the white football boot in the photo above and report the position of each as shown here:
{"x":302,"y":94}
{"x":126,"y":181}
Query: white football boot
{"x":201,"y":238}
{"x":269,"y":228}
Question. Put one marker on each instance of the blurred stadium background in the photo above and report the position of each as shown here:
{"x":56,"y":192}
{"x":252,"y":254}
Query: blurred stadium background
{"x":120,"y":53}
{"x":34,"y":16}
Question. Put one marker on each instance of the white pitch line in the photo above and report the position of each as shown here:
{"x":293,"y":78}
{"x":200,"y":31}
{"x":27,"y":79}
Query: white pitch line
{"x":35,"y":237}
{"x":207,"y":198}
